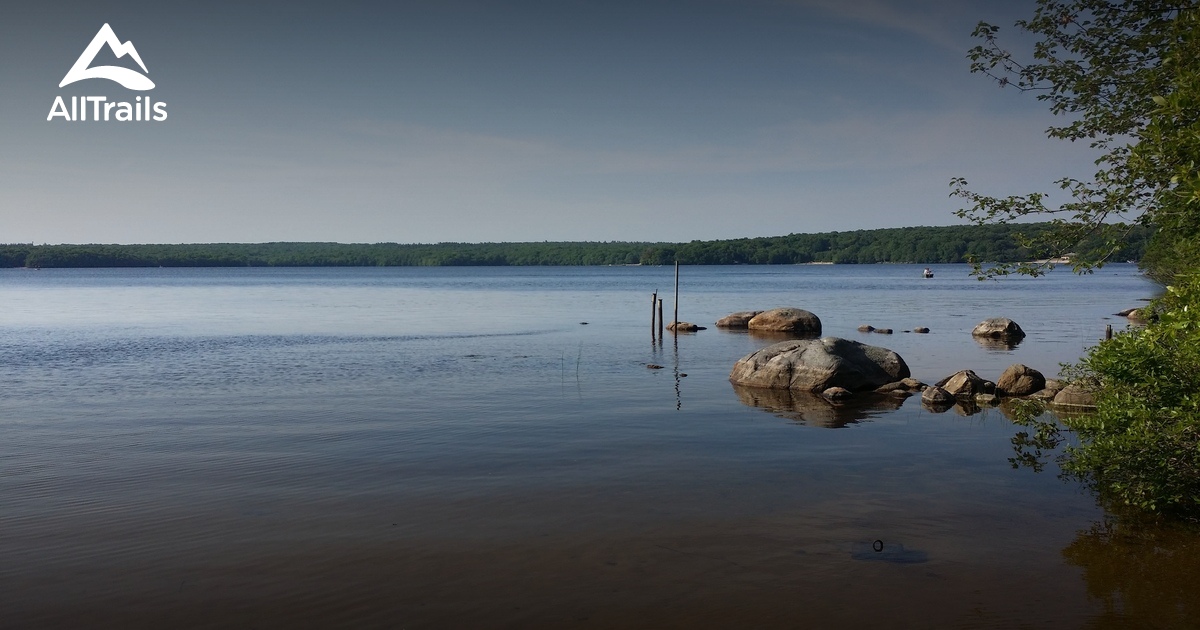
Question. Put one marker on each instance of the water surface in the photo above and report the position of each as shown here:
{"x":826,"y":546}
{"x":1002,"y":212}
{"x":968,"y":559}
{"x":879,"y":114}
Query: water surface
{"x":455,"y":448}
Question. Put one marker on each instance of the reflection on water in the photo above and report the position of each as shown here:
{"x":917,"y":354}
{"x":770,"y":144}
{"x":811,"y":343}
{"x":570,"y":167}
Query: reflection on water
{"x":997,"y":344}
{"x":451,"y":448}
{"x":1144,"y":575}
{"x":815,"y":410}
{"x":768,"y":336}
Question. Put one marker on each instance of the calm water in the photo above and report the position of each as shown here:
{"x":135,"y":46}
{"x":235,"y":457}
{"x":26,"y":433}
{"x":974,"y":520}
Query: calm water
{"x":454,"y":448}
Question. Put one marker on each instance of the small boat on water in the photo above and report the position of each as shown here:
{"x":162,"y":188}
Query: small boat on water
{"x":928,"y":272}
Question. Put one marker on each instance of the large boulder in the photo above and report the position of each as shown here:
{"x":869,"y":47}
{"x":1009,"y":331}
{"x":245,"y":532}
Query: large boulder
{"x":1020,"y":380}
{"x":999,"y":328}
{"x":796,"y":320}
{"x":740,"y":319}
{"x":815,"y":365}
{"x":966,"y":384}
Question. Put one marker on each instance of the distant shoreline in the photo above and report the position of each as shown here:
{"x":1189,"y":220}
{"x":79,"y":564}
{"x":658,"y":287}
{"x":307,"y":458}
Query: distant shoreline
{"x":911,"y":245}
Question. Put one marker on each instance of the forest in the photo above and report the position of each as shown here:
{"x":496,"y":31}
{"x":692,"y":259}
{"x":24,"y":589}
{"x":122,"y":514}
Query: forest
{"x":921,"y":245}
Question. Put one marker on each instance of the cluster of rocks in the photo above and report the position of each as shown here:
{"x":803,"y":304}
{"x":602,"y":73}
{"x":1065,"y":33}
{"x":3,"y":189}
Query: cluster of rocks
{"x":798,"y":320}
{"x":1017,"y":381}
{"x":838,"y":368}
{"x":788,"y":319}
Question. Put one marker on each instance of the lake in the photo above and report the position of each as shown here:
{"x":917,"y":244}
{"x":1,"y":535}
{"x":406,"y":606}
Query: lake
{"x":455,"y":447}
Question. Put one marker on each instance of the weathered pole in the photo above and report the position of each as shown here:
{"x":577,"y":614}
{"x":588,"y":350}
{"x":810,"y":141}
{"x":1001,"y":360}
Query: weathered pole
{"x":653,"y":301}
{"x":1108,"y":332}
{"x":660,"y":319}
{"x":675,"y":322}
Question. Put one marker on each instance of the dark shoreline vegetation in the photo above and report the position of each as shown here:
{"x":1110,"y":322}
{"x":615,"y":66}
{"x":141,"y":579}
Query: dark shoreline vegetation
{"x":920,"y":245}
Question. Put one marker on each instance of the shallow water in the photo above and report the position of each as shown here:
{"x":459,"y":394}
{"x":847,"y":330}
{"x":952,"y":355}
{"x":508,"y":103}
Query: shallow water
{"x":453,"y":447}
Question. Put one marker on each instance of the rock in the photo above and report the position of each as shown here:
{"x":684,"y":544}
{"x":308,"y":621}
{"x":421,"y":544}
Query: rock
{"x":1075,"y":395}
{"x":1020,"y":380}
{"x":998,"y":328}
{"x":965,"y":384}
{"x":921,"y":329}
{"x":684,"y":327}
{"x":739,"y":319}
{"x":884,"y":331}
{"x":837,"y":393}
{"x":653,"y":366}
{"x":786,"y":320}
{"x":936,"y":396}
{"x":1051,"y":389}
{"x":1138,"y":316}
{"x":1126,"y":313}
{"x":903,"y":385}
{"x":815,"y":365}
{"x":866,"y":328}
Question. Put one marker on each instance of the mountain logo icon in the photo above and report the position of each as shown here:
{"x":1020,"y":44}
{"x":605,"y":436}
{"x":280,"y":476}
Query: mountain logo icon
{"x":126,"y":77}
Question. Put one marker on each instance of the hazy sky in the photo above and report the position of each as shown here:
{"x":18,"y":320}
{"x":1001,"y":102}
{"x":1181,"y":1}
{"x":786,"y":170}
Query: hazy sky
{"x":462,"y":120}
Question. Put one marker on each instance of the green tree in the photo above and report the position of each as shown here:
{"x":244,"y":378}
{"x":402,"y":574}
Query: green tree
{"x":1127,"y":76}
{"x":1123,"y":74}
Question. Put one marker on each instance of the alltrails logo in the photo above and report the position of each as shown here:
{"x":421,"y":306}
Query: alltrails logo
{"x":142,"y":108}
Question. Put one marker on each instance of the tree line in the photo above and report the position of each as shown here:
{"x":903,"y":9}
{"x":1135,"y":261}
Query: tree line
{"x":921,"y":245}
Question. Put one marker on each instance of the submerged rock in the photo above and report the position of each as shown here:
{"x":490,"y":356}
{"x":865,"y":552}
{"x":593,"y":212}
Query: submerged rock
{"x":817,"y":364}
{"x":921,"y":330}
{"x":903,"y":385}
{"x":837,"y":393}
{"x":786,"y":320}
{"x":866,"y":328}
{"x":987,"y":399}
{"x":684,"y":327}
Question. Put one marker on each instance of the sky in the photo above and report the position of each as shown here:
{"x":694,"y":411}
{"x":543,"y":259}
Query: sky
{"x":476,"y":121}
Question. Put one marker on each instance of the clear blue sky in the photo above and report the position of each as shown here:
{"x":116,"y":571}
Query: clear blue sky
{"x":461,"y":120}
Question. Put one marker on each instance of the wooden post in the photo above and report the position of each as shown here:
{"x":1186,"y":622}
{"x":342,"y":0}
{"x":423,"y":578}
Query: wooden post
{"x":675,"y":322}
{"x":660,"y":319}
{"x":1108,"y":332}
{"x":653,"y":300}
